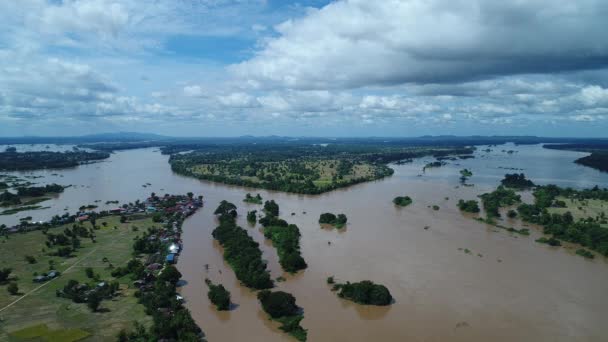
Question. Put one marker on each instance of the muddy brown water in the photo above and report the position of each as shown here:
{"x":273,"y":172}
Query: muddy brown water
{"x":507,"y":288}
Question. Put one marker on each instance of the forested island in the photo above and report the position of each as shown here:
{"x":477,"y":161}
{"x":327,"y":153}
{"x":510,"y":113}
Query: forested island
{"x":306,"y":169}
{"x":21,"y":161}
{"x":286,"y":239}
{"x":281,"y":306}
{"x":516,"y":181}
{"x":402,"y":201}
{"x":241,"y":252}
{"x":338,"y":221}
{"x":364,"y":292}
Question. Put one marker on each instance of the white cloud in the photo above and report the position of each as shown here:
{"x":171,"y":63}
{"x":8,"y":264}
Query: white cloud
{"x":356,"y":43}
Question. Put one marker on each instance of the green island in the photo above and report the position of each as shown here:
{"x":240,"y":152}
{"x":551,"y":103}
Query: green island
{"x":257,"y":199}
{"x":297,"y":168}
{"x":241,"y":252}
{"x":363,"y":292}
{"x":218,"y":295}
{"x":465,"y":174}
{"x":252,"y":216}
{"x":103,"y":278}
{"x":516,"y":181}
{"x":402,"y":201}
{"x":20,"y":161}
{"x":29,"y":195}
{"x":286,"y":239}
{"x":337,"y":221}
{"x":281,"y":307}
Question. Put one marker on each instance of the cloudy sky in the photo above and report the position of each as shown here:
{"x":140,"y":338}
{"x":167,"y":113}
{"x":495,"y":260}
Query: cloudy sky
{"x":309,"y":67}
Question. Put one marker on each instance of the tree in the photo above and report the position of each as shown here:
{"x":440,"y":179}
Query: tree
{"x":89,"y":272}
{"x":218,"y":295}
{"x":93,"y":301}
{"x":271,"y":208}
{"x":170,"y":274}
{"x":4,"y":273}
{"x":13,"y":288}
{"x":278,"y":304}
{"x":251,"y":216}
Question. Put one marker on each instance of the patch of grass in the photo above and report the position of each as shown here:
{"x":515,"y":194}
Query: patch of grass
{"x":44,"y":307}
{"x":42,"y":331}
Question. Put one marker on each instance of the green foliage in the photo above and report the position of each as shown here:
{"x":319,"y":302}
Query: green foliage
{"x":38,"y":191}
{"x":517,"y":181}
{"x":282,"y":307}
{"x":297,"y":168}
{"x":271,"y":208}
{"x":252,"y":216}
{"x":498,"y":198}
{"x":330,"y":280}
{"x":218,"y":295}
{"x":470,"y":206}
{"x":364,"y":292}
{"x":585,"y":253}
{"x":13,"y":289}
{"x":402,"y":201}
{"x":46,"y":160}
{"x":338,"y":221}
{"x":278,"y":304}
{"x":242,"y":253}
{"x":30,"y":259}
{"x":550,"y":241}
{"x":226,"y":208}
{"x":170,"y":274}
{"x":287,"y":242}
{"x":257,"y":199}
{"x":597,"y":160}
{"x":512,"y":213}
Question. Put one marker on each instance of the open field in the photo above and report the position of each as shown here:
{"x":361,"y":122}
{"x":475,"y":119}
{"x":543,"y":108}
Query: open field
{"x":37,"y":311}
{"x":582,"y":209}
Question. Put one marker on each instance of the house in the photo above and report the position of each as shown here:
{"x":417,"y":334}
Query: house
{"x":174,"y":249}
{"x":170,"y":258}
{"x":155,"y":266}
{"x":82,"y":218}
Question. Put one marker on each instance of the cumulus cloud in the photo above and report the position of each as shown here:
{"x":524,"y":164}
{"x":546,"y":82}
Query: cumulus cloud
{"x":356,"y":43}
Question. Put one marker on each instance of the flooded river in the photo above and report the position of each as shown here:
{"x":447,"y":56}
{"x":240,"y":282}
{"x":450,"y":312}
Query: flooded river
{"x":508,"y":288}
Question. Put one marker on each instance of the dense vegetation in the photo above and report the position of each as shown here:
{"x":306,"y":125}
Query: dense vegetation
{"x":285,"y":238}
{"x":470,"y":206}
{"x":13,"y":161}
{"x":338,"y":221}
{"x":37,"y":191}
{"x":281,"y":306}
{"x":587,"y":232}
{"x":402,"y":201}
{"x":597,"y":160}
{"x":364,"y":292}
{"x":218,"y":295}
{"x":257,"y":199}
{"x":501,"y":197}
{"x":240,"y":250}
{"x":516,"y":181}
{"x":304,"y":168}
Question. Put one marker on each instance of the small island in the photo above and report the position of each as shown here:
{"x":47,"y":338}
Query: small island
{"x":402,"y":201}
{"x":257,"y":199}
{"x":338,"y":221}
{"x":363,"y":292}
{"x":516,"y":181}
{"x":14,"y":161}
{"x":218,"y":295}
{"x":281,"y":306}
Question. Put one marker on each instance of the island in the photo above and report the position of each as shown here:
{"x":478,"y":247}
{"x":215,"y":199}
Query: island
{"x":516,"y":181}
{"x":296,"y":168}
{"x":364,"y":292}
{"x":257,"y":199}
{"x":286,"y":239}
{"x":470,"y":206}
{"x":402,"y":201}
{"x":218,"y":295}
{"x":337,"y":221}
{"x":281,"y":306}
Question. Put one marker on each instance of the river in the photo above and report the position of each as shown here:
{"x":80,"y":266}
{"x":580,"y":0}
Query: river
{"x":508,"y":288}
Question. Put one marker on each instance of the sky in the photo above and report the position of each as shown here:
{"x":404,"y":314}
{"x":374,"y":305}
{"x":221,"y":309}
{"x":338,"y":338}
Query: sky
{"x":304,"y":68}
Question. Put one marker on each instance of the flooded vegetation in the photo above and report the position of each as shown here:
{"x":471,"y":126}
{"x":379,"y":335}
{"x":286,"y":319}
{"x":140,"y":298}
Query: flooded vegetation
{"x":416,"y":252}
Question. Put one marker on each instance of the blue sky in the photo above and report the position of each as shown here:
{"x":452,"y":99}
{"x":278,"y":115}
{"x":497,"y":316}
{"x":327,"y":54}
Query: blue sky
{"x":331,"y":68}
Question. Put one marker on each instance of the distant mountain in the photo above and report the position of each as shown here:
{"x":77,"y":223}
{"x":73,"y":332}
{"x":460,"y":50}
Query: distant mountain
{"x":123,"y":136}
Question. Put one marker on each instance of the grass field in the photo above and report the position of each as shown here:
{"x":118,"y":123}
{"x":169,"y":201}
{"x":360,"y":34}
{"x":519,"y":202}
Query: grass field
{"x":39,"y":315}
{"x":582,"y":208}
